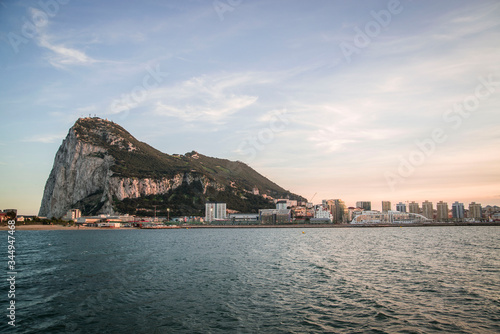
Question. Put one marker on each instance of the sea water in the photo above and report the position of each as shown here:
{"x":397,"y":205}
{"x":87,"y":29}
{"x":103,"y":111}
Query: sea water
{"x":251,"y":280}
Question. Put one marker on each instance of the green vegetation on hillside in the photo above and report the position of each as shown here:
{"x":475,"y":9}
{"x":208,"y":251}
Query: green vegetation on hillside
{"x":135,"y":159}
{"x":189,"y":200}
{"x":132,"y":157}
{"x":91,"y":204}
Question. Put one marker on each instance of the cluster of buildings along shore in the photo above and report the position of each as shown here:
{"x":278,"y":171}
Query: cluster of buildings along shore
{"x":335,"y":211}
{"x":332,"y":211}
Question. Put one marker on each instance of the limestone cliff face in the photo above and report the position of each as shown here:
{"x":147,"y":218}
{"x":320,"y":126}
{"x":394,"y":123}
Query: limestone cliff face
{"x":82,"y":170}
{"x":100,"y":168}
{"x":123,"y":188}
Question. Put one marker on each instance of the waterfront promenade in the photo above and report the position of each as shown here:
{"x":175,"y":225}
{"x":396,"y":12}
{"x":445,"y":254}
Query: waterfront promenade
{"x":56,"y":227}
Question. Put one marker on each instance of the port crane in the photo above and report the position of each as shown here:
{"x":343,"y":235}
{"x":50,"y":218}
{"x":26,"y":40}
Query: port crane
{"x":313,"y":196}
{"x":311,"y":203}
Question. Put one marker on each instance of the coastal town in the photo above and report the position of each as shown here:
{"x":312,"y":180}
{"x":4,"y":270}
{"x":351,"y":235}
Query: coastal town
{"x":287,"y":212}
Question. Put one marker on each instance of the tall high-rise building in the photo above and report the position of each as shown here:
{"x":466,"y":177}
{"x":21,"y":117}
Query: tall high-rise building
{"x":442,"y":211}
{"x":427,"y":210}
{"x":215,"y":211}
{"x":365,"y":205}
{"x":401,"y":207}
{"x":413,"y":207}
{"x":386,"y":206}
{"x":457,"y":210}
{"x":475,"y":211}
{"x":337,"y":208}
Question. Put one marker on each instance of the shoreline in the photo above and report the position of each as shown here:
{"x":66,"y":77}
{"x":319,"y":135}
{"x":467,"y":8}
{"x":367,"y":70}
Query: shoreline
{"x":40,"y":227}
{"x":339,"y":225}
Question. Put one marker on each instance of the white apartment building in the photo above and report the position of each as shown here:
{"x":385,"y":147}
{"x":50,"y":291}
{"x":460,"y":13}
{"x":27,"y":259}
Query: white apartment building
{"x":215,"y":211}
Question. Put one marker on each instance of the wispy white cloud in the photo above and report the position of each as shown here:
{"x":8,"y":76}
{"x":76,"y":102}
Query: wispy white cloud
{"x":206,"y":98}
{"x":468,"y":21}
{"x":59,"y":55}
{"x":214,"y":111}
{"x":273,"y":115}
{"x":44,"y":138}
{"x":62,"y":56}
{"x":216,"y":96}
{"x":338,"y":127}
{"x":86,"y":109}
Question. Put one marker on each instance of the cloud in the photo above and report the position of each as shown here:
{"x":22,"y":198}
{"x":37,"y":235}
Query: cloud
{"x":336,"y":125}
{"x":60,"y":55}
{"x":87,"y":109}
{"x":45,"y":139}
{"x":273,"y":115}
{"x":206,"y":98}
{"x":216,"y":96}
{"x":213,"y":111}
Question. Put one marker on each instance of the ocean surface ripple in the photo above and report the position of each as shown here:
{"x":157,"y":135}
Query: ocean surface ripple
{"x":283,"y":280}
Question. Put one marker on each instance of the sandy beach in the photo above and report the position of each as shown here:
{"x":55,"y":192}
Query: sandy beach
{"x":21,"y":227}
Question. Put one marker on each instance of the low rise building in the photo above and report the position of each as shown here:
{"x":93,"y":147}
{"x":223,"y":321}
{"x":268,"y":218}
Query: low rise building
{"x":289,"y":202}
{"x":322,"y":214}
{"x":10,"y":213}
{"x":353,"y":212}
{"x":281,"y":205}
{"x":390,"y":217}
{"x":365,"y":205}
{"x":102,"y":219}
{"x":401,"y":207}
{"x":109,"y":224}
{"x":244,"y":218}
{"x":72,"y":214}
{"x":274,"y":216}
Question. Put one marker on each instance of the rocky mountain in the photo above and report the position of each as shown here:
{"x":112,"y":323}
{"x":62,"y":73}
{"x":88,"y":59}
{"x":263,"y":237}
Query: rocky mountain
{"x":101,"y":168}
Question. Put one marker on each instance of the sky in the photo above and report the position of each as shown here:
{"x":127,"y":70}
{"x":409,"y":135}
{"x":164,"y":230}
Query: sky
{"x":357,"y":100}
